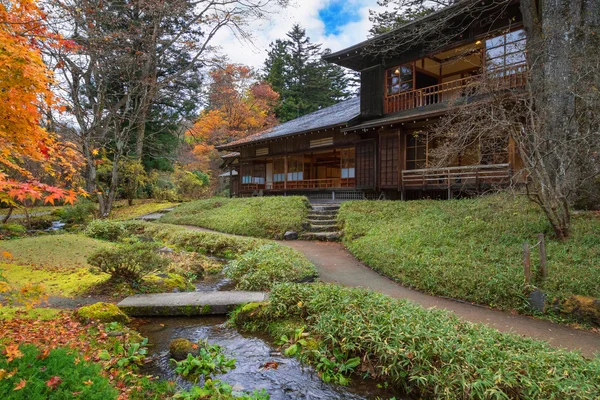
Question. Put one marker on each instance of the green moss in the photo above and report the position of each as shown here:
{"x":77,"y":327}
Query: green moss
{"x":167,"y":283}
{"x":266,"y":217}
{"x":581,"y":308}
{"x":65,"y":283}
{"x":125,"y":211}
{"x":180,"y":348}
{"x":40,"y":314}
{"x":103,"y":312}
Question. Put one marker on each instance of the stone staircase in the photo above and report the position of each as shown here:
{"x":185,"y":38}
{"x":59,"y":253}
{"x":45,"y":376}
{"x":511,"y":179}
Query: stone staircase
{"x":322,"y":223}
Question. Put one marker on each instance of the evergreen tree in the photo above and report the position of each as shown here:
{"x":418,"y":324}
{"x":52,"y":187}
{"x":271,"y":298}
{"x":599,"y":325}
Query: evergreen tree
{"x":400,"y":12}
{"x":305,"y":82}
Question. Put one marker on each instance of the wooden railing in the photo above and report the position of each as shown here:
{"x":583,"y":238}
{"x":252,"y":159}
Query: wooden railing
{"x":512,"y":77}
{"x":452,"y":177}
{"x":329,"y":183}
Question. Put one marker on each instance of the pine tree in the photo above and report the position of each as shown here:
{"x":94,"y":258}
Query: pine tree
{"x":400,"y":12}
{"x":305,"y":83}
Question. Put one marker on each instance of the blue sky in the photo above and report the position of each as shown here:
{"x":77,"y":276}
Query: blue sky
{"x":337,"y":14}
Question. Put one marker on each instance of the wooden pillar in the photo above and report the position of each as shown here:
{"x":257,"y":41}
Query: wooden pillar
{"x":285,"y":169}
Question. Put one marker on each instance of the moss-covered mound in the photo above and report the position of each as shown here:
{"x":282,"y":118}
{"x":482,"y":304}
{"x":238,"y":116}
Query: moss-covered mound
{"x":167,"y":283}
{"x":180,"y":348}
{"x":103,"y":312}
{"x":266,"y":217}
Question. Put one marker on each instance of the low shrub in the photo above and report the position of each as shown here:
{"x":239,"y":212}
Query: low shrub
{"x":28,"y":375}
{"x":429,"y":353}
{"x":128,"y":263}
{"x":105,"y":230}
{"x":12,"y":230}
{"x":267,"y":265}
{"x":80,"y":213}
{"x":265,"y":217}
{"x":208,"y":361}
{"x":472,"y":249}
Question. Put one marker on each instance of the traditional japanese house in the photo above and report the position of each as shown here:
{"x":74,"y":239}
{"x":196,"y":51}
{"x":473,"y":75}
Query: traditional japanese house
{"x":377,"y":145}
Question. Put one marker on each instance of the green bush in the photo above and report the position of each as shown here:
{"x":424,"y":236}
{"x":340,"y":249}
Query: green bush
{"x":56,"y":376}
{"x":265,"y":217}
{"x":80,"y":213}
{"x":268,"y":265}
{"x":105,"y":230}
{"x":209,"y":361}
{"x":472,"y":249}
{"x":128,"y":263}
{"x":430,"y":353}
{"x":12,"y":230}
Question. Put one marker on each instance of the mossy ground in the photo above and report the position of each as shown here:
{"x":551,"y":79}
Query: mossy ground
{"x":103,"y":312}
{"x":39,"y":314}
{"x":139,"y":208}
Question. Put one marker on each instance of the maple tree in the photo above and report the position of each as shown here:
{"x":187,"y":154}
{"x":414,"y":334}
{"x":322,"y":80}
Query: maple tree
{"x":239,"y":105}
{"x":25,"y":95}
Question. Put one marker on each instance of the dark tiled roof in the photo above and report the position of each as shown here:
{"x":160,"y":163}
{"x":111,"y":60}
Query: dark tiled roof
{"x":336,"y":115}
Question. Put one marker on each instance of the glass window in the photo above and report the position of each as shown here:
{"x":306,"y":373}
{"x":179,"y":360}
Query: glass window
{"x":505,"y":53}
{"x":416,"y":151}
{"x":295,"y":168}
{"x":399,"y":79}
{"x":348,"y":163}
{"x":278,"y":170}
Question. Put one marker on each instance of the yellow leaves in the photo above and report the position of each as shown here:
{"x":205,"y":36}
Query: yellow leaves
{"x":12,"y":352}
{"x":95,"y":152}
{"x":20,"y":385}
{"x":88,"y":382}
{"x":4,"y":374}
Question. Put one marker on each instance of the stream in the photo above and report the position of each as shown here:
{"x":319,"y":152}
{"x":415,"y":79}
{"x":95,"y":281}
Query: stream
{"x":289,"y":381}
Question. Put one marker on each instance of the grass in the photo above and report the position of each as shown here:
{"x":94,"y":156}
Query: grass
{"x":264,"y":217}
{"x":139,"y":208}
{"x":471,"y":249}
{"x":65,"y":251}
{"x":425,"y":353}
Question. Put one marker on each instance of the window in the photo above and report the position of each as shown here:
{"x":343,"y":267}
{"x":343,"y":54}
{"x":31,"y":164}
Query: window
{"x":504,"y":52}
{"x":295,"y":168}
{"x":416,"y":151}
{"x":321,"y":142}
{"x":348,"y":157}
{"x":399,"y":79}
{"x":494,"y":151}
{"x":278,"y":170}
{"x":246,"y":173}
{"x":262,"y":151}
{"x":253,"y":174}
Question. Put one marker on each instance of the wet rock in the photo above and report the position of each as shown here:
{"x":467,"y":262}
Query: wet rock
{"x":586,"y":309}
{"x":165,"y":250}
{"x":290,"y":235}
{"x":180,"y":348}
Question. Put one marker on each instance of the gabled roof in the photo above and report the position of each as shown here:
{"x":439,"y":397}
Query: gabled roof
{"x":339,"y":114}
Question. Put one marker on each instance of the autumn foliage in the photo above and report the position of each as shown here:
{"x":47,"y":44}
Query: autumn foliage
{"x":239,"y":105}
{"x":26,"y":148}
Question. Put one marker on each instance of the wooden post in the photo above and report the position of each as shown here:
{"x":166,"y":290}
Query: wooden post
{"x":527,"y":263}
{"x":543,"y":259}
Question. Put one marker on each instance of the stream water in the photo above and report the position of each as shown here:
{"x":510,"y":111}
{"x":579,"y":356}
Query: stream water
{"x":290,"y":380}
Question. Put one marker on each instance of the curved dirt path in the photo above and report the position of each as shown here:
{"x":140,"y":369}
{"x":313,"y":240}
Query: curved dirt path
{"x":336,"y":265}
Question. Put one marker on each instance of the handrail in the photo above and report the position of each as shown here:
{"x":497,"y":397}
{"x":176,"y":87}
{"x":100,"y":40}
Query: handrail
{"x":445,"y":91}
{"x":466,"y":167}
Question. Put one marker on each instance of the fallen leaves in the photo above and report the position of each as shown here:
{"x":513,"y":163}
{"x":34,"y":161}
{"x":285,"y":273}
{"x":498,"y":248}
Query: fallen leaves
{"x":12,"y":352}
{"x":20,"y":385}
{"x":53,"y":382}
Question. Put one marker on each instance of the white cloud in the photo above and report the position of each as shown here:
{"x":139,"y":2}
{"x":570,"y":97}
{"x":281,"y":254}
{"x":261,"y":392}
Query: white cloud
{"x":305,"y":13}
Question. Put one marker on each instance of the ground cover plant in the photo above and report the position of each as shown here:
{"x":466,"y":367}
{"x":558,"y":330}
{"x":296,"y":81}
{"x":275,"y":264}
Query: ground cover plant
{"x":426,"y":353}
{"x":267,"y":265}
{"x":472,"y":249}
{"x":122,"y":211}
{"x":265,"y":217}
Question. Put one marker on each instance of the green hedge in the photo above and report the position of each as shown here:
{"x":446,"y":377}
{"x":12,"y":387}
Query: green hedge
{"x":471,"y":249}
{"x":429,"y":353}
{"x":265,"y":217}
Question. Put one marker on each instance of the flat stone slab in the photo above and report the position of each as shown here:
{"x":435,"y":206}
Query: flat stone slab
{"x":188,"y":304}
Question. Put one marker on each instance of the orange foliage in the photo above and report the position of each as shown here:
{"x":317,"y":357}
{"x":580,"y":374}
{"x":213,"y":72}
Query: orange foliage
{"x":239,"y":106}
{"x":25,"y":95}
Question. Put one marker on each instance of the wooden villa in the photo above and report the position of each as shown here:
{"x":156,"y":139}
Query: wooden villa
{"x":377,"y":145}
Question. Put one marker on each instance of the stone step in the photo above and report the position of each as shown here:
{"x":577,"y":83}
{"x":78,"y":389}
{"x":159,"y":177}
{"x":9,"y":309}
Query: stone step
{"x":325,"y":207}
{"x":188,"y":304}
{"x":322,"y":221}
{"x":331,"y":214}
{"x":323,"y":228}
{"x":321,"y":236}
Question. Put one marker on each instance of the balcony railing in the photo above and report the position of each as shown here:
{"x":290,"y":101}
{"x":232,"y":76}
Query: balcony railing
{"x":329,"y":183}
{"x":449,"y":177}
{"x":508,"y":78}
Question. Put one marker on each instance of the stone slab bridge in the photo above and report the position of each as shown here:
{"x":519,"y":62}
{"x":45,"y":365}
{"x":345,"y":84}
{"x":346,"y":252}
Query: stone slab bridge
{"x":188,"y":304}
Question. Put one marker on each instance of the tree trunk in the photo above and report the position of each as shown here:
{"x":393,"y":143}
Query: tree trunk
{"x":7,"y":217}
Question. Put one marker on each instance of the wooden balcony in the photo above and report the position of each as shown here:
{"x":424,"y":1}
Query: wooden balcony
{"x":307,"y":184}
{"x":473,"y":176}
{"x":509,"y":78}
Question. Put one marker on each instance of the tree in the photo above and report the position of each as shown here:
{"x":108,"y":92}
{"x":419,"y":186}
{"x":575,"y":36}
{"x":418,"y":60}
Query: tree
{"x":25,"y":95}
{"x":305,"y":83}
{"x":238,"y":105}
{"x":128,"y":55}
{"x":400,"y":12}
